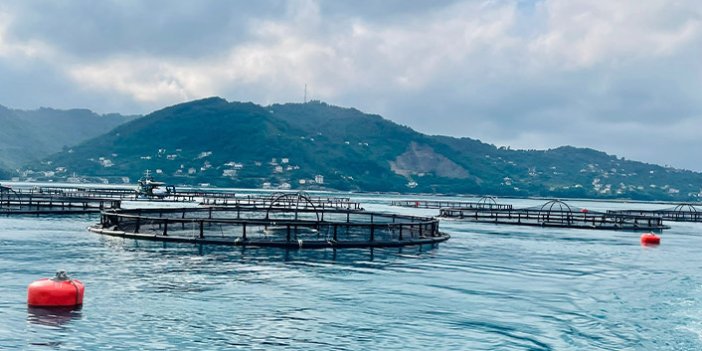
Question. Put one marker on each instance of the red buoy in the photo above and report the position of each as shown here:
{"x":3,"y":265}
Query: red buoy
{"x":650,"y":239}
{"x":60,"y":290}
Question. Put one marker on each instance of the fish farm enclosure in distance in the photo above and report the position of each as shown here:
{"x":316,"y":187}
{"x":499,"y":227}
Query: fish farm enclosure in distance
{"x":557,"y":213}
{"x":300,"y":221}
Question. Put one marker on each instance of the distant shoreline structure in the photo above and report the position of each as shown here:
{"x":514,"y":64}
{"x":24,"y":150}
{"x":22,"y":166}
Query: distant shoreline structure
{"x":388,"y":193}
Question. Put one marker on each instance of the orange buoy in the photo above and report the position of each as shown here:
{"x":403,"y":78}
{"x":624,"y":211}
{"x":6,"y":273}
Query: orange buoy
{"x":60,"y":290}
{"x":584,"y":210}
{"x":650,"y":239}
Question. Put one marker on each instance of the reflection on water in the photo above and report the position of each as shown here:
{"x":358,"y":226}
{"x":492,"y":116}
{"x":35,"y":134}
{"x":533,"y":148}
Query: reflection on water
{"x":53,"y":316}
{"x":488,"y":288}
{"x":255,"y":254}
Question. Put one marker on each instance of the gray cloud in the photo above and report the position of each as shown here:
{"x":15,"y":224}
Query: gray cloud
{"x":93,"y":29}
{"x":623,"y":77}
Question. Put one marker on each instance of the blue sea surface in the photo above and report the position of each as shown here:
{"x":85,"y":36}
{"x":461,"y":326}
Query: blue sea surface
{"x":490,"y":287}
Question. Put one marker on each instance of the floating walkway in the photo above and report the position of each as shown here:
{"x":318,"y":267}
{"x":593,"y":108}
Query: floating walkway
{"x":485,"y":203}
{"x":10,"y":204}
{"x":76,"y":200}
{"x":121,"y":194}
{"x":557,"y":214}
{"x":276,"y":226}
{"x":679,"y":213}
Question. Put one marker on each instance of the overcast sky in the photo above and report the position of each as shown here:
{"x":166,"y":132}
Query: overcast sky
{"x":620,"y":76}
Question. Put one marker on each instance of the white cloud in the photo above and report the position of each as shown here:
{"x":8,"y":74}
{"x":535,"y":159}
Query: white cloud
{"x":510,"y":72}
{"x":582,"y":33}
{"x":144,"y":79}
{"x":356,"y":55}
{"x":19,"y":50}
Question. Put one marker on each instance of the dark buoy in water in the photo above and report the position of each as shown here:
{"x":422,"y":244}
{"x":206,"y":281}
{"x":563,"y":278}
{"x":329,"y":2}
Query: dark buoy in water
{"x":648,"y":239}
{"x":60,"y":290}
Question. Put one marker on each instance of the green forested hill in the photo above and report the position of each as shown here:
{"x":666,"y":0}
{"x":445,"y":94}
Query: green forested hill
{"x":243,"y":144}
{"x":30,"y":135}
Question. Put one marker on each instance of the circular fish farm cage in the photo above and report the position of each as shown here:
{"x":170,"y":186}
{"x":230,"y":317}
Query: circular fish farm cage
{"x":278,"y":225}
{"x":291,"y":200}
{"x":680,"y":213}
{"x":556,"y":213}
{"x":555,"y":206}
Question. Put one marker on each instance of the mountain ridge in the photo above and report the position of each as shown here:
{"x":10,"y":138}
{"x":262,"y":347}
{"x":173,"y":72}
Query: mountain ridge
{"x":29,"y":135}
{"x":287,"y":145}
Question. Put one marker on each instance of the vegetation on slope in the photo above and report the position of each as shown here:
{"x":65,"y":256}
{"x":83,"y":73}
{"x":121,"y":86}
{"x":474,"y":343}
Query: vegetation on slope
{"x":243,"y":144}
{"x":30,"y":135}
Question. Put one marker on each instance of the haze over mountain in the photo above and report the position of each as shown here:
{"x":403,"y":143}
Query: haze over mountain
{"x":288,"y":145}
{"x":30,"y":135}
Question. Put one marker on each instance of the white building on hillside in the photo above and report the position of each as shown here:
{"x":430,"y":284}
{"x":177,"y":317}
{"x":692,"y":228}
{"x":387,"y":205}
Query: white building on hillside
{"x":319,"y":179}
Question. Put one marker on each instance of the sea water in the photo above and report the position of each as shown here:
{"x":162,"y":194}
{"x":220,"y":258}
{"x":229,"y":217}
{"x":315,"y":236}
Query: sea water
{"x":490,"y":287}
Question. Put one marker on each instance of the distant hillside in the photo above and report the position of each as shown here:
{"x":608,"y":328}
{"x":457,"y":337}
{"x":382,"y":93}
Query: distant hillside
{"x":30,"y":135}
{"x":247,"y":145}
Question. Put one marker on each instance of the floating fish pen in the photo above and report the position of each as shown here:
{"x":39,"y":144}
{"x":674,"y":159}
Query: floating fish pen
{"x":291,"y":200}
{"x":277,"y":226}
{"x":13,"y":202}
{"x":87,"y":192}
{"x":485,"y":203}
{"x":121,"y":194}
{"x":560,"y":215}
{"x":679,"y":213}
